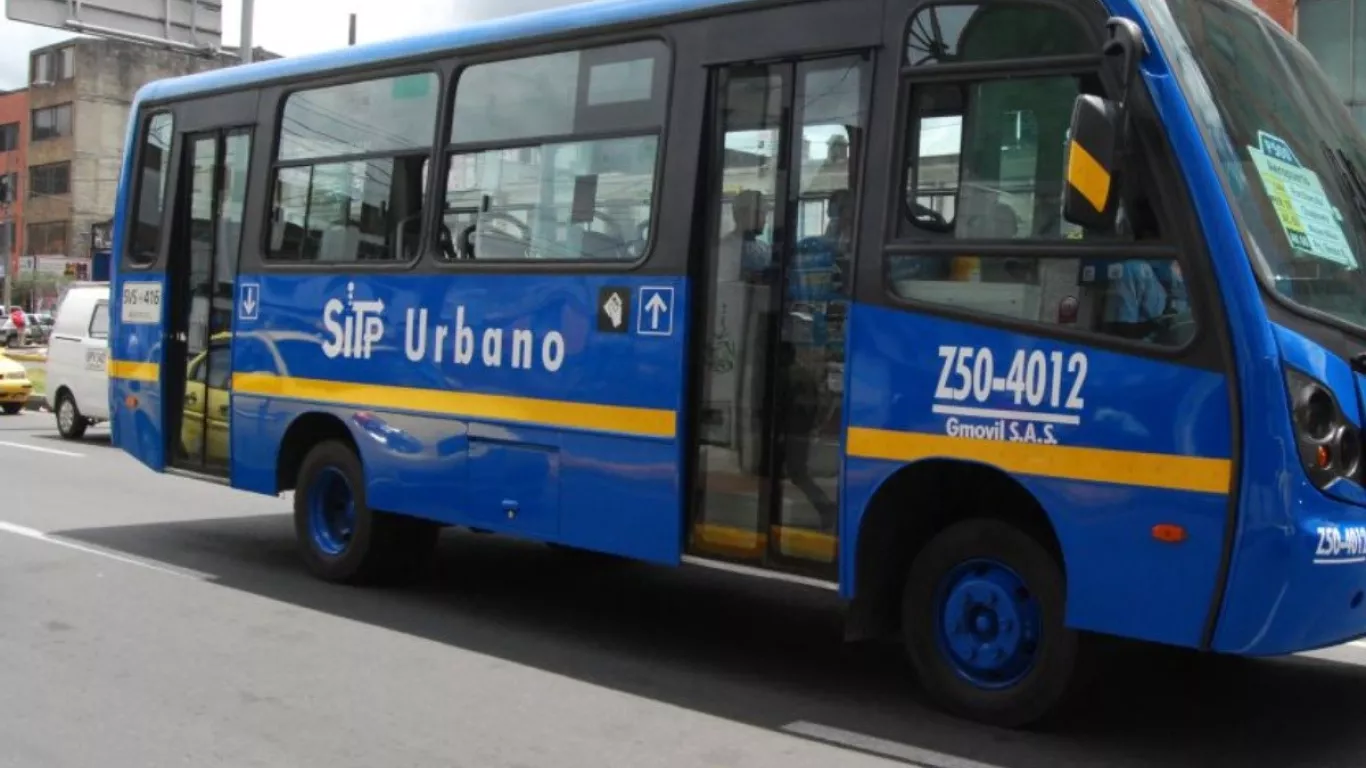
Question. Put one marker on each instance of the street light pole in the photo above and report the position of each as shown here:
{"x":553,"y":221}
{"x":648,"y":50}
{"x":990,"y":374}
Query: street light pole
{"x":248,"y":14}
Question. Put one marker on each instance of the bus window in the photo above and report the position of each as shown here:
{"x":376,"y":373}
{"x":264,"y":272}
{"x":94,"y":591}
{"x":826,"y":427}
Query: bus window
{"x":520,"y":186}
{"x":348,"y":184}
{"x":960,"y":32}
{"x":985,"y":166}
{"x":153,"y":168}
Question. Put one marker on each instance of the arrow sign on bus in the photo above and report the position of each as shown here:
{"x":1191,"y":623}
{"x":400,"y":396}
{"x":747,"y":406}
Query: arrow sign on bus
{"x":251,"y":301}
{"x":656,"y":317}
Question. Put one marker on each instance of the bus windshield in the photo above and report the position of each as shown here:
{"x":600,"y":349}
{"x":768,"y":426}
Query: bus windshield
{"x":1294,"y":157}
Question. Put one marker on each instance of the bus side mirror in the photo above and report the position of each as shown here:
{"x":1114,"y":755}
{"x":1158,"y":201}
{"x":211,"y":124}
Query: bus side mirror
{"x":1096,"y":139}
{"x":1089,"y":199}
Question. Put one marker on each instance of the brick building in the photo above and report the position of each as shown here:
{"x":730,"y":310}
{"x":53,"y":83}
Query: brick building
{"x":1283,"y":11}
{"x":13,"y":142}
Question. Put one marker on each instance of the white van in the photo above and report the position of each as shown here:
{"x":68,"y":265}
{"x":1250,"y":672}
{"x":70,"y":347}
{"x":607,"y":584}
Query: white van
{"x":77,"y":355}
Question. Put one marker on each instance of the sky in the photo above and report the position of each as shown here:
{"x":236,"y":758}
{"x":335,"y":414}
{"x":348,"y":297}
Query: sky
{"x":291,"y":27}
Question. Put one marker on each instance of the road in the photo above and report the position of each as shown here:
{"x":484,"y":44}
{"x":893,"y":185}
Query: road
{"x":156,"y":621}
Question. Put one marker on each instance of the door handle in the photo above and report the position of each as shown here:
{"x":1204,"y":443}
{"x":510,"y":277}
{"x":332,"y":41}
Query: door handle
{"x":191,"y":398}
{"x":223,"y":410}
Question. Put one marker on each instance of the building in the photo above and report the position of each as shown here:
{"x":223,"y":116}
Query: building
{"x":1335,"y":32}
{"x":14,"y":117}
{"x":78,"y":106}
{"x":1282,"y":11}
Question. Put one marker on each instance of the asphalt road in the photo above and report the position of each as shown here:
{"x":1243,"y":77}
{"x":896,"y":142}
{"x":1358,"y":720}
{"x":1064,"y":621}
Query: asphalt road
{"x":156,"y":621}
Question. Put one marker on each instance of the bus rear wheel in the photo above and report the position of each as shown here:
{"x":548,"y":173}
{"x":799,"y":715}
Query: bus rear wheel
{"x":983,"y":619}
{"x":339,"y":536}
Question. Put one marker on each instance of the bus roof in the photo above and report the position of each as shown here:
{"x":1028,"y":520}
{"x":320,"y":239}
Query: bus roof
{"x":535,"y":24}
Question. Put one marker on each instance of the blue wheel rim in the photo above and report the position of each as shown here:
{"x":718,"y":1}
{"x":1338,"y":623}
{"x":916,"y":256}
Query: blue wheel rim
{"x":987,"y":624}
{"x":331,"y":511}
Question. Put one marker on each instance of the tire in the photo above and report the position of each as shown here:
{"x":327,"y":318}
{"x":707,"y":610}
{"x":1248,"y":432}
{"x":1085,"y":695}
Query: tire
{"x":13,"y":409}
{"x":339,"y":537}
{"x":70,"y":423}
{"x":983,"y":618}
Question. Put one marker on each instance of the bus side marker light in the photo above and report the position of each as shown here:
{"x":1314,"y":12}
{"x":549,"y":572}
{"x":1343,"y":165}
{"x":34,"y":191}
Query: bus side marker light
{"x":131,"y":401}
{"x":1169,"y":533}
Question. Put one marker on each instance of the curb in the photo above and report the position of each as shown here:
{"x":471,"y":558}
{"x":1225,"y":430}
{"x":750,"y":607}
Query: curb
{"x":21,"y":357}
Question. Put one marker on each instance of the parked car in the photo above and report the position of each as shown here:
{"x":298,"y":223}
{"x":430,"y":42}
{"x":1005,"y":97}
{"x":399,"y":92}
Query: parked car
{"x":39,"y":328}
{"x":77,"y":358}
{"x":15,"y":386}
{"x":11,"y":336}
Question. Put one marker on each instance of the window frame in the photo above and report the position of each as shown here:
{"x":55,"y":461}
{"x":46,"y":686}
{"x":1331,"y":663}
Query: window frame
{"x":55,"y":109}
{"x":267,"y":204}
{"x":29,"y":239}
{"x":130,"y":221}
{"x":94,"y":313}
{"x":10,"y":129}
{"x":1175,"y":244}
{"x":35,"y":170}
{"x":446,"y":150}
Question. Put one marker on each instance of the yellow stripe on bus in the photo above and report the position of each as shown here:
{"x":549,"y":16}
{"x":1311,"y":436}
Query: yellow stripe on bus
{"x":1152,"y":470}
{"x":132,"y":371}
{"x":647,"y":422}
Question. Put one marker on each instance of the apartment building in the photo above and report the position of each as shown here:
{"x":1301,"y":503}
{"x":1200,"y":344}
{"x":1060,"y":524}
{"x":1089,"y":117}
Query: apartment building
{"x":78,"y":101}
{"x":14,"y":117}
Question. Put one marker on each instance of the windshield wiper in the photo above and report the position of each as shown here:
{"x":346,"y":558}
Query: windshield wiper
{"x":1349,"y":178}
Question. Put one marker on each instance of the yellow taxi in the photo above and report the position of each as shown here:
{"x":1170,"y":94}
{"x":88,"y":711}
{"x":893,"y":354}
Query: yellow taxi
{"x":14,"y":385}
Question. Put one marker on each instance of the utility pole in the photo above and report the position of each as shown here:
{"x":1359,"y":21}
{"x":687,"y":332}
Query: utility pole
{"x":248,"y":14}
{"x":351,"y":38}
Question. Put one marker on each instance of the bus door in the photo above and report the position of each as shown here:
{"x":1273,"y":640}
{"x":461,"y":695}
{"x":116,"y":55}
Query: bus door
{"x":210,"y":194}
{"x":786,"y":139}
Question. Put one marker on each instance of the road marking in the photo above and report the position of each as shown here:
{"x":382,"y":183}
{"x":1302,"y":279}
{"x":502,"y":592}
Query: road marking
{"x":1358,"y":643}
{"x":41,"y":449}
{"x":923,"y":758}
{"x":37,"y":535}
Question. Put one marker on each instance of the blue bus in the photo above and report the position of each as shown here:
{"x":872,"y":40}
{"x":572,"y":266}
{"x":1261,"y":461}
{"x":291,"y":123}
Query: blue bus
{"x":1018,"y":323}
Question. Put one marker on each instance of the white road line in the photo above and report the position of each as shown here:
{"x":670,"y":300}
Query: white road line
{"x":41,"y":449}
{"x":37,"y":535}
{"x":1358,"y":643}
{"x":917,"y":756}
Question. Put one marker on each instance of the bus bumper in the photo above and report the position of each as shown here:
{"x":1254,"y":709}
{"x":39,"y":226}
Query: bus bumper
{"x":1299,"y":585}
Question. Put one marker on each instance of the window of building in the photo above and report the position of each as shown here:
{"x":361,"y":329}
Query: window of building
{"x":7,"y":233}
{"x":984,"y":180}
{"x":1334,"y":31}
{"x":9,"y":188}
{"x":51,"y":122}
{"x":349,"y":183}
{"x":50,"y":179}
{"x":554,"y":157}
{"x":9,"y":137}
{"x":48,"y":238}
{"x":53,"y":66}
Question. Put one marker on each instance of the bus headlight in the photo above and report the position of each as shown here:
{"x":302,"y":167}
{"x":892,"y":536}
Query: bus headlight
{"x":1329,"y":445}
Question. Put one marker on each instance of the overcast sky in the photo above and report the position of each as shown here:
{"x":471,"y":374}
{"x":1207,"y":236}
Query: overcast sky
{"x":292,"y":27}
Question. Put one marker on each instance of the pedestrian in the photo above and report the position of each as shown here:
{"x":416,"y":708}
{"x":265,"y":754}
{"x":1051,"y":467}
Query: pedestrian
{"x":16,"y":316}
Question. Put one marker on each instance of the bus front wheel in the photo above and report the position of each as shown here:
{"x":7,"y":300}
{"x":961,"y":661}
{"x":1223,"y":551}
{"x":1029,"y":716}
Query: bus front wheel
{"x":983,"y":623}
{"x":340,"y":537}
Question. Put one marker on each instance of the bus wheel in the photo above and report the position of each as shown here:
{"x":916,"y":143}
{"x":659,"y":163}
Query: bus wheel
{"x":983,"y":616}
{"x":340,"y":537}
